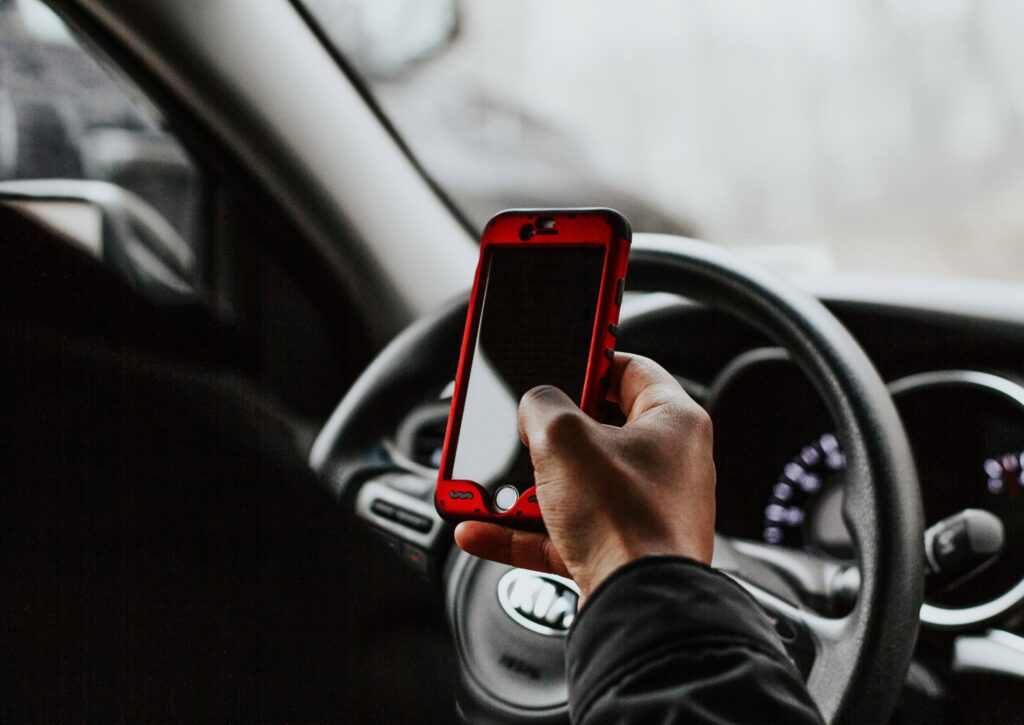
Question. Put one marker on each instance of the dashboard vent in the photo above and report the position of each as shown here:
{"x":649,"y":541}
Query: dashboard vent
{"x":421,"y":435}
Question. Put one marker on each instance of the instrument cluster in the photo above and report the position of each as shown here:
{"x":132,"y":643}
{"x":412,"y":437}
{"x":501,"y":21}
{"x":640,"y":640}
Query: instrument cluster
{"x":782,"y":472}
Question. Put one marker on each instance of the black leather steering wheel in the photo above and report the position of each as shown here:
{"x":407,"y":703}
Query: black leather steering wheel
{"x":856,"y":663}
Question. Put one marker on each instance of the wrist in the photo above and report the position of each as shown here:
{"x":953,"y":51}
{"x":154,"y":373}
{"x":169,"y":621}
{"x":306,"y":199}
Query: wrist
{"x":615,"y":555}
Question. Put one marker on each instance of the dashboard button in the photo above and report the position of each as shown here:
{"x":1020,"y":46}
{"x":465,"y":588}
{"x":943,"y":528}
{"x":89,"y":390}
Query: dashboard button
{"x":413,"y":521}
{"x":383,"y":509}
{"x":416,"y":557}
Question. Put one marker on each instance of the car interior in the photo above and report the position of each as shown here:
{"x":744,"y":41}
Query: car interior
{"x":232,"y":302}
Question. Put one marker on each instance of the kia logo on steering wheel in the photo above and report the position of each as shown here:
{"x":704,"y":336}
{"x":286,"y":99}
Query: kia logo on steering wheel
{"x":543,"y":603}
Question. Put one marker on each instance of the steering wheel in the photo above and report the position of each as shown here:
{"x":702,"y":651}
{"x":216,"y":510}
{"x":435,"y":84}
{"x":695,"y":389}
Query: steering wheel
{"x":512,"y":668}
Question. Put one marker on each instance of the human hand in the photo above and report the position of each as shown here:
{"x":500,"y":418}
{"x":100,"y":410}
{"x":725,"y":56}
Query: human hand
{"x":611,"y":495}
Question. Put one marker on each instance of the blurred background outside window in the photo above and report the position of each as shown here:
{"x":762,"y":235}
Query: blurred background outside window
{"x":868,"y":135}
{"x":64,"y":116}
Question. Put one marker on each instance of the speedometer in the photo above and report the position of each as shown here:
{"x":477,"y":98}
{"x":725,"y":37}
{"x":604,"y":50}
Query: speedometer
{"x":1005,"y":474}
{"x":966,"y":431}
{"x":802,"y":484}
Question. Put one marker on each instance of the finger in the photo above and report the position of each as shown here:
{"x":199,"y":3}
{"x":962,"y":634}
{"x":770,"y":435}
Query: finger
{"x":548,"y":418}
{"x":524,"y":549}
{"x":640,"y":385}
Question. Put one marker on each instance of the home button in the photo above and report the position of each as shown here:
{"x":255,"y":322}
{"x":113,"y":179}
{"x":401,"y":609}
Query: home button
{"x":505,"y":498}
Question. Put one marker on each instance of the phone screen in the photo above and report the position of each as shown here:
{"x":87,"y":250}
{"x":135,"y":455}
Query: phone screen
{"x":535,"y":326}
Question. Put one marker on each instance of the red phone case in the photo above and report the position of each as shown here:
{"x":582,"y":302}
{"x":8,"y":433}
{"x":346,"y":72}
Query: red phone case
{"x":459,"y":500}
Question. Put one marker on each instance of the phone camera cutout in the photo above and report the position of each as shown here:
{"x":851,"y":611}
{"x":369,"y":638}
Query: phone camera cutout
{"x":546,"y":225}
{"x":526,"y":232}
{"x":505,"y":498}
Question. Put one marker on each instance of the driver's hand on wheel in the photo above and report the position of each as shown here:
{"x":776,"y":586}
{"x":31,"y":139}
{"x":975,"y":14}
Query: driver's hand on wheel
{"x":611,"y":495}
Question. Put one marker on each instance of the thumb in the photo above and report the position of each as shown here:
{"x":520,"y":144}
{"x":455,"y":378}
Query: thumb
{"x":550,"y":423}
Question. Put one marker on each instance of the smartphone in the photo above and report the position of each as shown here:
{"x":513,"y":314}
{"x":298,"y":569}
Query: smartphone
{"x":543,"y":310}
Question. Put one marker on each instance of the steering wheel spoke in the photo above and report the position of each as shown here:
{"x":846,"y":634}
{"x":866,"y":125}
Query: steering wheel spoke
{"x":812,"y":641}
{"x":824,"y":584}
{"x":782,"y":581}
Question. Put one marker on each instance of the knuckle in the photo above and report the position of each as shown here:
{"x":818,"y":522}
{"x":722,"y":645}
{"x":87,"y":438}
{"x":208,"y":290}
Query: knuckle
{"x":641,"y":362}
{"x":643,"y":367}
{"x":701,"y":421}
{"x":686,"y":416}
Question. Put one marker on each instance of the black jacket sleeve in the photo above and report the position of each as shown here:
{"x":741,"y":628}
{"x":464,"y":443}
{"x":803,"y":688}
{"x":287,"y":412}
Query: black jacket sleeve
{"x":666,"y":639}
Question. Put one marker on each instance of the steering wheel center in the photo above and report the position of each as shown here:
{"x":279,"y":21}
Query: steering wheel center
{"x":510,"y":627}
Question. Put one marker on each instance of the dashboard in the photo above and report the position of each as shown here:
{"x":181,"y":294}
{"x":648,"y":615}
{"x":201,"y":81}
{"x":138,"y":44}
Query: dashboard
{"x":956,"y":374}
{"x":966,"y":429}
{"x":956,"y":379}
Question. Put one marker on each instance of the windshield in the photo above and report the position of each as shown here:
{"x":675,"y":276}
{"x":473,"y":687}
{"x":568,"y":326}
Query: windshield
{"x":859,"y":135}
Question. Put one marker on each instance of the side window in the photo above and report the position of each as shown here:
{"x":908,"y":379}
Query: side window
{"x":66,"y":120}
